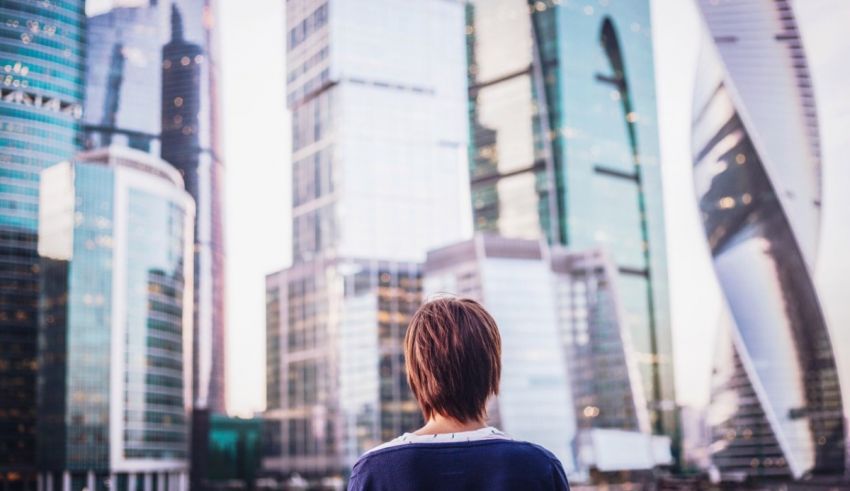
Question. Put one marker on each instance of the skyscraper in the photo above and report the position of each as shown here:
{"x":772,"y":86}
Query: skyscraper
{"x":378,"y":99}
{"x":151,"y":85}
{"x":41,"y":91}
{"x":190,"y":143}
{"x":565,"y":146}
{"x":776,"y":406}
{"x":115,"y":240}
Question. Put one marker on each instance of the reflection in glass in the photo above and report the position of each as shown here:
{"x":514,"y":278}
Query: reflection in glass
{"x":564,"y":145}
{"x":776,"y":401}
{"x":114,"y":303}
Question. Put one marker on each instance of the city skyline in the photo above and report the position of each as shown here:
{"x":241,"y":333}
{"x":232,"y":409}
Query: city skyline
{"x":647,"y":195}
{"x":695,"y":309}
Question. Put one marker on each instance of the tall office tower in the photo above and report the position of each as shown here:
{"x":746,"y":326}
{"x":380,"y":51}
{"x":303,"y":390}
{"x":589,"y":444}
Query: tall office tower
{"x":190,"y":142}
{"x":513,"y":280}
{"x":606,"y":387}
{"x":41,"y":91}
{"x":122,"y":105}
{"x":115,"y":240}
{"x":378,"y":99}
{"x":565,"y":146}
{"x":776,"y":402}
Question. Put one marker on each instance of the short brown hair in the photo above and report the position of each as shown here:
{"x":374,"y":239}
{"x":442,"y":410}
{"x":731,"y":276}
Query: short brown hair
{"x":453,"y":357}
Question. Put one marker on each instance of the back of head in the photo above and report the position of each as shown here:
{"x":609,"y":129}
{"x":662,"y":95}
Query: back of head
{"x":453,"y":358}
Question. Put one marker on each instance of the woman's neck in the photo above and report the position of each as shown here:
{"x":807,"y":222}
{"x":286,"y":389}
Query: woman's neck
{"x":441,"y":424}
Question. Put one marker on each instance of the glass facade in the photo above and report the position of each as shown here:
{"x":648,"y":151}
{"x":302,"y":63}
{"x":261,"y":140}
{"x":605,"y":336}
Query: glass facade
{"x":114,"y":240}
{"x":606,"y":386}
{"x":565,"y":146}
{"x":122,"y":89}
{"x":41,"y":91}
{"x":377,"y":93}
{"x":335,"y":333}
{"x":234,"y":449}
{"x":190,"y":143}
{"x":776,"y":405}
{"x":378,"y":134}
{"x":151,"y":84}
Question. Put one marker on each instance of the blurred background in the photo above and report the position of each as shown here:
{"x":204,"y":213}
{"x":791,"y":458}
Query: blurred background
{"x":216,"y":219}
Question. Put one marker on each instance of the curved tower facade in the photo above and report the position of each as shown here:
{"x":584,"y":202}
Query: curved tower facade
{"x":776,"y":405}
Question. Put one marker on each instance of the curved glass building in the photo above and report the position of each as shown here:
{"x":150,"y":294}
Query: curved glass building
{"x":564,"y":145}
{"x":115,"y":240}
{"x":41,"y":91}
{"x":776,"y":407}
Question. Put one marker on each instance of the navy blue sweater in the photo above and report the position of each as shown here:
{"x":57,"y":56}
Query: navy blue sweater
{"x":483,"y":464}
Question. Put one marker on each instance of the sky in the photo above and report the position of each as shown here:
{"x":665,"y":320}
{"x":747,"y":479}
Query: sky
{"x":256,"y":147}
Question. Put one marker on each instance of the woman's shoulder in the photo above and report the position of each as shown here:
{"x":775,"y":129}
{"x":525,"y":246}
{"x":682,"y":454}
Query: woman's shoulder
{"x":496,"y":460}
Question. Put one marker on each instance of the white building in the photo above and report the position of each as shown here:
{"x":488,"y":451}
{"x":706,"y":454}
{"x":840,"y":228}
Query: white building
{"x":114,"y":382}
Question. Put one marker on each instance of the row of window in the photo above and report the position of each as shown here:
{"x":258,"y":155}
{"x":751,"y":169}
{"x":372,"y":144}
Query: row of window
{"x":312,"y":23}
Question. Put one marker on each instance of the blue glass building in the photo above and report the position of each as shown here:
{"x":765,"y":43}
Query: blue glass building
{"x":565,"y":146}
{"x":115,"y":241}
{"x":41,"y":90}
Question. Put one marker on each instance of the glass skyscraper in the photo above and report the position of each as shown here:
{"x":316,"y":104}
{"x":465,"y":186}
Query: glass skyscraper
{"x":115,"y":241}
{"x":41,"y":93}
{"x":776,"y":408}
{"x":565,"y":146}
{"x":190,"y":142}
{"x":151,"y":85}
{"x":377,"y":92}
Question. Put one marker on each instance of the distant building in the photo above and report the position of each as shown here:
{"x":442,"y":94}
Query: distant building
{"x":565,"y":147}
{"x":569,"y":381}
{"x":320,"y":421}
{"x":513,"y":280}
{"x":190,"y":142}
{"x":41,"y":93}
{"x":115,"y":235}
{"x":378,"y":101}
{"x":233,"y":452}
{"x":123,"y":91}
{"x":776,"y":408}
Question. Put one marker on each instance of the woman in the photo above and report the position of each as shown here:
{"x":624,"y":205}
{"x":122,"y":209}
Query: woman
{"x":453,"y":360}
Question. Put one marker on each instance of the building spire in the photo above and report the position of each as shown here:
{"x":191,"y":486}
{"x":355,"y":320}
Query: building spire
{"x":176,"y":23}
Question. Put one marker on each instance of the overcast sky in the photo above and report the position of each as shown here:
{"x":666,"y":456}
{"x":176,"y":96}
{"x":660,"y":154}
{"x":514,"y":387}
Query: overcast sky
{"x":256,"y":131}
